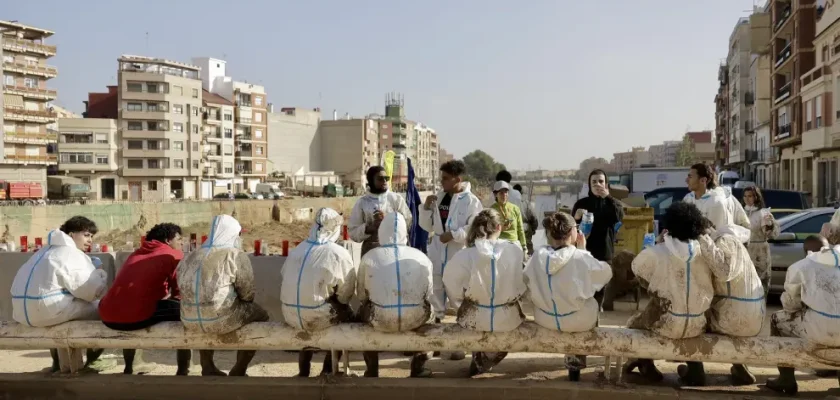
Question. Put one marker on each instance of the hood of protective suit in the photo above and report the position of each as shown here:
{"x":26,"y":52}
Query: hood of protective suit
{"x":393,"y":230}
{"x":59,"y":238}
{"x":327,"y":226}
{"x":682,"y":250}
{"x":828,"y":256}
{"x":224,"y":233}
{"x":466,"y":187}
{"x":380,"y":197}
{"x":558,"y":258}
{"x":487,"y":249}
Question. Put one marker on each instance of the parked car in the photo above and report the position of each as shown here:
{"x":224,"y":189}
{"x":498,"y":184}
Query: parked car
{"x":786,"y":248}
{"x":782,"y":200}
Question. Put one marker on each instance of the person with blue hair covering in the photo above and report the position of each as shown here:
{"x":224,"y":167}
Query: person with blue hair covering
{"x":217,"y":291}
{"x":319,"y":279}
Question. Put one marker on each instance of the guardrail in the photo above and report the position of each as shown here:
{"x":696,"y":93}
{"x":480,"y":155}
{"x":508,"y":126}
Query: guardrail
{"x":528,"y":338}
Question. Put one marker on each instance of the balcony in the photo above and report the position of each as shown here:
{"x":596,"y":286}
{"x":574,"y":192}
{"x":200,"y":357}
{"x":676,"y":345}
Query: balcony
{"x":213,"y":135}
{"x":783,"y":19}
{"x":213,"y":118}
{"x":209,"y":172}
{"x":155,"y":114}
{"x":247,"y":154}
{"x":213,"y":155}
{"x":45,"y":71}
{"x":816,"y":138}
{"x":24,"y":115}
{"x":31,"y":92}
{"x":23,"y":46}
{"x":47,"y":159}
{"x":144,"y":134}
{"x":782,"y":132}
{"x":244,"y":120}
{"x":30,"y":138}
{"x":783,"y":93}
{"x":783,"y":55}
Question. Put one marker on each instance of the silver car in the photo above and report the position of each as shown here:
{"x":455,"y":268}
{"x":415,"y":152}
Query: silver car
{"x":786,"y":249}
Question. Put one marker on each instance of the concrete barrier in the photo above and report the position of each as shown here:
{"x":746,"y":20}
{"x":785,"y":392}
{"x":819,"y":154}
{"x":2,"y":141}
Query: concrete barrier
{"x":266,"y":277}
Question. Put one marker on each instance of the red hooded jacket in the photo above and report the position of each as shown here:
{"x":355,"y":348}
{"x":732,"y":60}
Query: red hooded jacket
{"x":148,"y":275}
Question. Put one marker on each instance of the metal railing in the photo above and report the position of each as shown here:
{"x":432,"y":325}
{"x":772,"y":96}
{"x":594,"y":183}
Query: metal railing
{"x":43,"y":69}
{"x":31,"y":113}
{"x":11,"y":43}
{"x":31,"y":90}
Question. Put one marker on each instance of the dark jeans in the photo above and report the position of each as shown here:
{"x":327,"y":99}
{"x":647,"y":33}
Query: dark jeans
{"x":166,"y":311}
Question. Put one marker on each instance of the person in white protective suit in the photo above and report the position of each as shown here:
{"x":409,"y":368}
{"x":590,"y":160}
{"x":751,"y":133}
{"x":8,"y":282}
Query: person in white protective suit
{"x":447,"y":216}
{"x":60,"y":283}
{"x":486,"y":279}
{"x":715,"y":202}
{"x":738,"y":308}
{"x":319,"y":279}
{"x":395,"y":289}
{"x":679,"y":281}
{"x":562,"y":281}
{"x":217,"y":291}
{"x":764,"y":227}
{"x":371,"y":208}
{"x":810,"y":304}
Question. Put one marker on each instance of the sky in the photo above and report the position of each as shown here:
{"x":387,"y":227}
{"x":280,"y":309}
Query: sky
{"x":536,"y":84}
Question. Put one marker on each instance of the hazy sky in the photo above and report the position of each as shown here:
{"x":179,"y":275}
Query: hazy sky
{"x":535,"y":83}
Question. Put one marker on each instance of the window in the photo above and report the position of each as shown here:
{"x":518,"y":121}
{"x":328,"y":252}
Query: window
{"x":195,"y":164}
{"x":135,"y":145}
{"x":134,"y":106}
{"x":152,"y":88}
{"x":102,"y":138}
{"x":228,"y":150}
{"x":179,"y":164}
{"x":152,"y":145}
{"x":195,"y":128}
{"x":30,"y":60}
{"x":228,"y":133}
{"x":195,"y":93}
{"x":154,"y":164}
{"x":76,"y":158}
{"x":102,"y":159}
{"x":9,"y":59}
{"x":228,"y":117}
{"x":31,"y":83}
{"x":178,"y":109}
{"x":135,"y":126}
{"x":134,"y":164}
{"x":228,"y":168}
{"x":809,"y":115}
{"x":152,"y":184}
{"x":818,"y":113}
{"x":134,"y":87}
{"x":195,"y":111}
{"x":178,"y":90}
{"x":179,"y":146}
{"x":195,"y":146}
{"x":258,"y":117}
{"x":178,"y":127}
{"x":258,"y":100}
{"x":259,"y":150}
{"x":809,"y":226}
{"x":8,"y":80}
{"x":258,"y":167}
{"x":258,"y":133}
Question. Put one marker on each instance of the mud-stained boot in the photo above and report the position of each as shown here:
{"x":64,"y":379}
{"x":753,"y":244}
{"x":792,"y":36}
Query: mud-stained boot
{"x":647,"y":369}
{"x":692,"y":374}
{"x":305,"y":363}
{"x":371,"y":364}
{"x":437,"y":353}
{"x":785,"y":383}
{"x":574,"y":375}
{"x":741,"y":375}
{"x":418,"y":362}
{"x":56,"y":367}
{"x":825,"y":373}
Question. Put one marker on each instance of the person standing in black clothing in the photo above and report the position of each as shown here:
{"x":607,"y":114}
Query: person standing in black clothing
{"x":607,"y":212}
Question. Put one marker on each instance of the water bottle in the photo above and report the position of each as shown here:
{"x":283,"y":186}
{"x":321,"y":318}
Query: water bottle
{"x":648,"y":241}
{"x":586,"y":223}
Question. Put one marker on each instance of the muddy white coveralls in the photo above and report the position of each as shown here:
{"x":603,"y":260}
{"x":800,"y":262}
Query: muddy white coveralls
{"x":317,"y":274}
{"x":59,"y":283}
{"x":363,"y":211}
{"x":395,"y":281}
{"x":217,"y":282}
{"x":462,"y":209}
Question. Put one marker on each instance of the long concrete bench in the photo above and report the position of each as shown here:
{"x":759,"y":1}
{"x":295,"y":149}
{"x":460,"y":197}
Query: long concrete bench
{"x":620,"y":342}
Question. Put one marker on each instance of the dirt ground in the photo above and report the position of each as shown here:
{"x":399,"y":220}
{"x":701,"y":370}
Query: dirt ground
{"x":520,"y":367}
{"x":271,"y":233}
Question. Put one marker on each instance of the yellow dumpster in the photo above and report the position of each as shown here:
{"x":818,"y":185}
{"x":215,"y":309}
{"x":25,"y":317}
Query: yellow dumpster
{"x":637,"y":222}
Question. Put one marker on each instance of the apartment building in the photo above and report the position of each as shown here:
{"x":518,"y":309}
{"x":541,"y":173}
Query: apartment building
{"x":444,"y":156}
{"x":425,"y":159}
{"x":792,"y":45}
{"x":349,"y":147}
{"x":28,"y":146}
{"x":160,"y":123}
{"x":625,"y":161}
{"x":295,"y":145}
{"x":763,"y":166}
{"x":251,"y":111}
{"x":665,"y":154}
{"x":704,"y":148}
{"x":722,"y":117}
{"x":820,"y":88}
{"x":738,"y":63}
{"x":88,"y":149}
{"x":217,"y":146}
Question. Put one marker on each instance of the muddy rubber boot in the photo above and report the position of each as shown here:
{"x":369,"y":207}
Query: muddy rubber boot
{"x":574,"y":375}
{"x":371,"y":364}
{"x":128,"y":357}
{"x":208,"y":367}
{"x":183,"y":358}
{"x":436,"y":353}
{"x":474,"y":368}
{"x":692,"y":374}
{"x":418,"y":361}
{"x":56,"y":367}
{"x":741,"y":375}
{"x":825,"y":373}
{"x":243,"y":358}
{"x":304,"y":363}
{"x":785,"y":383}
{"x":647,"y":369}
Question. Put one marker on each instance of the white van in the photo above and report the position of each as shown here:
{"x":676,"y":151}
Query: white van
{"x":269,"y":191}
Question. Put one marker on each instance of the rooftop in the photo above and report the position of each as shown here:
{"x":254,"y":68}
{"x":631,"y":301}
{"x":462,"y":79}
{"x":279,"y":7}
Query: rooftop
{"x":160,"y":61}
{"x":213,"y":98}
{"x":28,"y":32}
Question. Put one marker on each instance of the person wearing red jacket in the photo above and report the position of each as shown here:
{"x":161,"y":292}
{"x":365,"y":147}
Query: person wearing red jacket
{"x":145,"y":290}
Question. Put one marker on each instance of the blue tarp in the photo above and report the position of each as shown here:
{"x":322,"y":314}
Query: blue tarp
{"x":417,"y":237}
